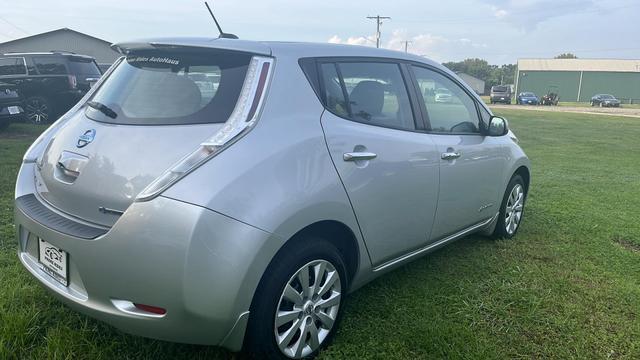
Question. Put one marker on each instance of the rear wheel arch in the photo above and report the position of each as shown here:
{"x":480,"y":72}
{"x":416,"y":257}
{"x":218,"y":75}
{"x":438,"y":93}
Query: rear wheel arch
{"x":335,"y":232}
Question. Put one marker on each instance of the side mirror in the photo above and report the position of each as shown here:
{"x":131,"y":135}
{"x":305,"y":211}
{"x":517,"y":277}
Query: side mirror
{"x":498,"y":126}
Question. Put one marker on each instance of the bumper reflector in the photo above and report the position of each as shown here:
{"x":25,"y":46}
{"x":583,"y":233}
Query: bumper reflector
{"x":151,"y":309}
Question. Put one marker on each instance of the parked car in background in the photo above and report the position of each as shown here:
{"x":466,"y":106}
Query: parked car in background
{"x":527,"y":98}
{"x":193,"y":216}
{"x":443,"y":95}
{"x":500,"y":94}
{"x":50,"y":82}
{"x":11,"y":106}
{"x":605,"y":100}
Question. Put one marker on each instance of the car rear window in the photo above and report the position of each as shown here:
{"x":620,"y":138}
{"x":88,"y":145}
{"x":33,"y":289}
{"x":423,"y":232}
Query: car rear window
{"x":500,"y":88}
{"x":175,"y":87}
{"x":83,"y":66}
{"x":50,"y":65}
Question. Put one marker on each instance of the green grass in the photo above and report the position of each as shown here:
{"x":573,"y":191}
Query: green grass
{"x":568,"y":286}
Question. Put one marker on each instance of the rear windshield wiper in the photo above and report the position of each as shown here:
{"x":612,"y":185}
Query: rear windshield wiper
{"x":103,"y":109}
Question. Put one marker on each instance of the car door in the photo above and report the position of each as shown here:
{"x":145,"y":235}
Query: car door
{"x":471,"y":164}
{"x":388,"y":165}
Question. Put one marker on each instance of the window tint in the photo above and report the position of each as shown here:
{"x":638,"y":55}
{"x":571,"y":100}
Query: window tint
{"x":83,"y":66}
{"x":450,"y":109}
{"x":333,"y":95}
{"x":12,"y":66}
{"x":50,"y":65}
{"x":376,"y":93}
{"x":173,"y":87}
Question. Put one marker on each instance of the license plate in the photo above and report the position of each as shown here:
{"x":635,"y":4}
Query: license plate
{"x":501,"y":98}
{"x":53,"y":261}
{"x":13,"y":110}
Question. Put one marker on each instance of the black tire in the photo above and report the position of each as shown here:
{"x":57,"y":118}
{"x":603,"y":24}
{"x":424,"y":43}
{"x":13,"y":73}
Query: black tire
{"x":38,"y":110}
{"x":501,"y":231}
{"x":260,"y":340}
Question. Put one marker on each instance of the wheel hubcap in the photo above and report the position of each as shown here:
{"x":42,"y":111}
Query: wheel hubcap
{"x":37,"y":111}
{"x":307,"y":309}
{"x":513,"y":213}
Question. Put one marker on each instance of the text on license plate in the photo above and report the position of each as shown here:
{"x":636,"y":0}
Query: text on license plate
{"x":53,"y":261}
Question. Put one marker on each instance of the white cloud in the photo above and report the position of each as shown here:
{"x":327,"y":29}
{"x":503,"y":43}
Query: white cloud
{"x":433,"y":46}
{"x":499,"y":13}
{"x":527,"y":14}
{"x":354,"y":40}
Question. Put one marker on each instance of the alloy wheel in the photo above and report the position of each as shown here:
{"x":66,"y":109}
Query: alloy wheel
{"x":515,"y":205}
{"x":308,"y":309}
{"x":37,"y":111}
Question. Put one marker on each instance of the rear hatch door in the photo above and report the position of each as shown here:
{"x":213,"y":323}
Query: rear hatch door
{"x":155,"y":108}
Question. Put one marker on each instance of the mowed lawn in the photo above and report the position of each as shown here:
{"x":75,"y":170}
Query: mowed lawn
{"x":568,"y":286}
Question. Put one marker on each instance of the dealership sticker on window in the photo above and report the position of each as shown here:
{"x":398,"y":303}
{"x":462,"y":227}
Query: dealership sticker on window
{"x":154,"y":59}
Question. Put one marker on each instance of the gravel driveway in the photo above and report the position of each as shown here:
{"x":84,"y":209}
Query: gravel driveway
{"x":631,"y":112}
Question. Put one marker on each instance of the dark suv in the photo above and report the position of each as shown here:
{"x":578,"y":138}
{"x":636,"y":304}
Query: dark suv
{"x":500,"y":94}
{"x":50,"y":82}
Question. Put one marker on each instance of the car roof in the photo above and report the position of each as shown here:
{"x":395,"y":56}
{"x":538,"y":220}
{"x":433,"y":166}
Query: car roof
{"x":271,"y":48}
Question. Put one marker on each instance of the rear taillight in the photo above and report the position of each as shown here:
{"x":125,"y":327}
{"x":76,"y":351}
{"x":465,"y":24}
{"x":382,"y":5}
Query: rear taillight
{"x":242,"y":119}
{"x":73,"y":81}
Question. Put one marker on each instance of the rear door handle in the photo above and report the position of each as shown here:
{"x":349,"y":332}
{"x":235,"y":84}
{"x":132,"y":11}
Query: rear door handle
{"x":450,"y":155}
{"x":355,"y":156}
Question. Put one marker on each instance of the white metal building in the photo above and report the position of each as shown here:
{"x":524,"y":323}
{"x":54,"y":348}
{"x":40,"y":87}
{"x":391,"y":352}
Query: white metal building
{"x":64,"y":40}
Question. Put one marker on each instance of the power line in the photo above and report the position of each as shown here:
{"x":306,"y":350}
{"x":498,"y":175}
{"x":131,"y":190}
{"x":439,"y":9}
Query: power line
{"x":378,"y":19}
{"x":14,"y":26}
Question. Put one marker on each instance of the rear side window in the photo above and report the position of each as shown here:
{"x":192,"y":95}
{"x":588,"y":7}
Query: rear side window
{"x":449,"y":108}
{"x":12,"y":66}
{"x":83,"y":66}
{"x":50,"y":65}
{"x":173,"y":87}
{"x":375,"y":93}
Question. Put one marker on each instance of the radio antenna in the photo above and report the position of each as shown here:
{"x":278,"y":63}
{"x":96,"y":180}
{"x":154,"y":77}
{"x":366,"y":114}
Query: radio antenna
{"x":223,"y":34}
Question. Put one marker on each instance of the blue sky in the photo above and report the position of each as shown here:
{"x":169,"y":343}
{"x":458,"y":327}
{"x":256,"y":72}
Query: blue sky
{"x":500,"y":31}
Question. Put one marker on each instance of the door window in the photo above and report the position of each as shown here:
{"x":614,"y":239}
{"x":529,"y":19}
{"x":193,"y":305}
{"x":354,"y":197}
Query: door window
{"x":376,"y":93}
{"x":12,"y":66}
{"x":449,"y":108}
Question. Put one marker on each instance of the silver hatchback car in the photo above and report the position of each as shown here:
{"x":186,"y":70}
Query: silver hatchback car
{"x":229,"y":192}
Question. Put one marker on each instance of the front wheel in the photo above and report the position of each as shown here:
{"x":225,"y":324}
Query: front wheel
{"x":511,"y":209}
{"x":298,"y":304}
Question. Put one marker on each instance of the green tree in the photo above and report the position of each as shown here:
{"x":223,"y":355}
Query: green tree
{"x":566,"y":56}
{"x":490,"y":74}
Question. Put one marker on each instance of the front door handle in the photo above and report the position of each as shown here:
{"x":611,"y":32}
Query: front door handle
{"x":355,"y":156}
{"x":450,"y":155}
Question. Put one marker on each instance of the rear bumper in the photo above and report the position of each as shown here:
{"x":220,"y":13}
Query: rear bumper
{"x":500,"y":98}
{"x":201,"y":266}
